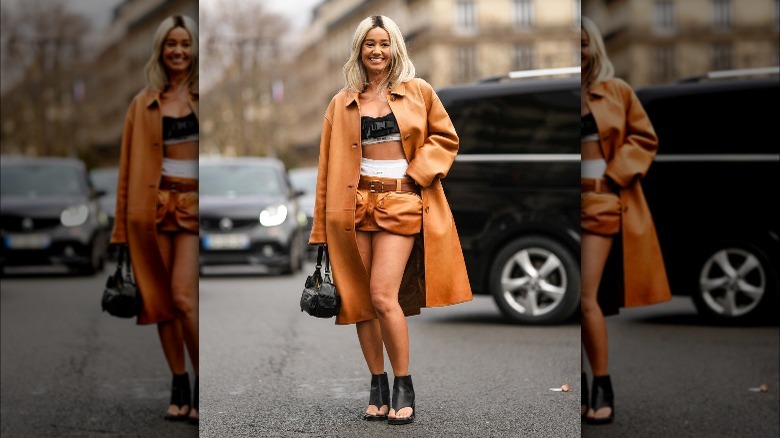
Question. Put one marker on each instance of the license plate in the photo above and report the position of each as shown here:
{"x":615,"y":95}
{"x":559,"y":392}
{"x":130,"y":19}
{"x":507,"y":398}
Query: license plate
{"x":27,"y":241}
{"x":226,"y":241}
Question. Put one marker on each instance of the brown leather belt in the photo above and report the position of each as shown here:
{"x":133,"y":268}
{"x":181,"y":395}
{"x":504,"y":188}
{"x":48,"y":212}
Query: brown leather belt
{"x":381,"y":185}
{"x":600,"y":185}
{"x":176,"y":186}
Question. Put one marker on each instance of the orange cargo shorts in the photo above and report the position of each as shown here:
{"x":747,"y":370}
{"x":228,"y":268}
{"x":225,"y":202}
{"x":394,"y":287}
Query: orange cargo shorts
{"x":600,"y":208}
{"x":385,"y":204}
{"x":177,"y":206}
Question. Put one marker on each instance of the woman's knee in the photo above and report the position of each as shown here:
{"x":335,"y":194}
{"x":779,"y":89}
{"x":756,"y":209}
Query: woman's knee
{"x":590,"y":306}
{"x":383,"y":303}
{"x":184,"y":302}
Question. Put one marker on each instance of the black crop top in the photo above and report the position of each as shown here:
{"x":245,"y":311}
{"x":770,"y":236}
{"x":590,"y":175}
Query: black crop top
{"x":588,"y":125}
{"x":180,"y":129}
{"x":373,"y":127}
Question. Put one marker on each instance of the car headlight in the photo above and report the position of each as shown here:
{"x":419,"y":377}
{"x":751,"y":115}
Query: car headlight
{"x":74,"y":216}
{"x":273,"y":216}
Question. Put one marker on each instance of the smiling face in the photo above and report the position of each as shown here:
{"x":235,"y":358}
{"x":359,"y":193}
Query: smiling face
{"x":584,"y":50}
{"x":177,"y":51}
{"x":375,"y":52}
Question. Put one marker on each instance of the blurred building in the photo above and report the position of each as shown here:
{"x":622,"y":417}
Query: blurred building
{"x":652,"y":42}
{"x":117,"y":74}
{"x":76,"y":104}
{"x":449,"y":41}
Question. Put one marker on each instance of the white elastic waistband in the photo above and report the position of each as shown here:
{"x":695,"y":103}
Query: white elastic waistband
{"x":180,"y":168}
{"x":593,"y":168}
{"x":384,"y":168}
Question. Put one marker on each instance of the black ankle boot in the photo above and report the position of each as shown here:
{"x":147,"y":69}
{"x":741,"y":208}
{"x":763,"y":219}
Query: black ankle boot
{"x":379,"y":396}
{"x":180,"y":395}
{"x":585,"y":396}
{"x":602,"y":397}
{"x":403,"y":397}
{"x":195,"y":389}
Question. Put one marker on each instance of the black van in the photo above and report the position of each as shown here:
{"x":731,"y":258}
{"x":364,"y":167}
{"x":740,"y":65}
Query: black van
{"x":514,"y":190}
{"x":713,"y":189}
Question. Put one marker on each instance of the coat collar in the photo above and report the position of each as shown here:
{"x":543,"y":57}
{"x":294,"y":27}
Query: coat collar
{"x":352,"y":96}
{"x":598,"y":90}
{"x":152,"y":97}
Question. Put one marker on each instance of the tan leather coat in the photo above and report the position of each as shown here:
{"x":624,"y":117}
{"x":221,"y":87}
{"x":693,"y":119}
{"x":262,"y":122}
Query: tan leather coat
{"x":435,"y":274}
{"x":629,"y":144}
{"x":140,"y":170}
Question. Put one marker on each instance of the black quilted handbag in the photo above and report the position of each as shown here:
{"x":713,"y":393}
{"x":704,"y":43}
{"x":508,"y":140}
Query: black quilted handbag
{"x":320,"y":297}
{"x":120,"y":296}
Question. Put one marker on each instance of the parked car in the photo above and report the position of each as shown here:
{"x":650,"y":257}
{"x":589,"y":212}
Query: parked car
{"x":304,"y":180}
{"x":514,"y":190}
{"x":105,"y":179}
{"x":50,"y":215}
{"x":249,"y":215}
{"x":711,"y":190}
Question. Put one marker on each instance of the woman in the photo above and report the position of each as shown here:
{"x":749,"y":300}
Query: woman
{"x":621,"y":259}
{"x":387,"y":142}
{"x":157,"y":202}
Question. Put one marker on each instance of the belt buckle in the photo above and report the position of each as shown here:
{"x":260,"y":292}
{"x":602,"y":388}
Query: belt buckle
{"x":174,"y":187}
{"x":376,"y":181}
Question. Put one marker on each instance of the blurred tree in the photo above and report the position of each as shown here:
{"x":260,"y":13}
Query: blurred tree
{"x":240,"y":60}
{"x":42,"y":62}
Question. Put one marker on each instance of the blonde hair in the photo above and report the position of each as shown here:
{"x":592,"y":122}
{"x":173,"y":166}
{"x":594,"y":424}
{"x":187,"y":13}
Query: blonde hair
{"x":600,"y":68}
{"x":401,"y":67}
{"x":156,"y":75}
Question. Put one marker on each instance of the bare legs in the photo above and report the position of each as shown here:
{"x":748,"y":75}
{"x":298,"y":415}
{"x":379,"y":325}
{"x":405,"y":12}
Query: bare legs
{"x":385,"y":255}
{"x":595,"y":250}
{"x":180,"y":254}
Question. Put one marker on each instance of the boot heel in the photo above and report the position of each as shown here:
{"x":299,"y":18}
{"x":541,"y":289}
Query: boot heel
{"x":403,"y":397}
{"x":585,"y":396}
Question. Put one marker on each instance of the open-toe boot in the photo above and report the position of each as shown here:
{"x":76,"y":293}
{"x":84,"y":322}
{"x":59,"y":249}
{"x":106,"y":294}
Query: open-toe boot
{"x":602,"y":397}
{"x":403,"y":397}
{"x":180,"y":396}
{"x":585,"y":396}
{"x":194,"y":416}
{"x":379,"y":396}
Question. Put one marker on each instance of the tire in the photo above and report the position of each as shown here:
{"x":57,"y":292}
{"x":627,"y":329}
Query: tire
{"x":296,"y":256}
{"x":96,"y":261}
{"x":736,"y":283}
{"x":523,"y":294}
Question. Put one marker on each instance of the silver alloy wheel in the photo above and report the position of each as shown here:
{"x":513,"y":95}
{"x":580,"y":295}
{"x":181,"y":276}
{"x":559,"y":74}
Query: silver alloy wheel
{"x":533,"y":281}
{"x":732,"y":282}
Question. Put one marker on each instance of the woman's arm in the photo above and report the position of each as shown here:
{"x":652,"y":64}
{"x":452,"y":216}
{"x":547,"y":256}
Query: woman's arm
{"x":434,"y":158}
{"x":633,"y":158}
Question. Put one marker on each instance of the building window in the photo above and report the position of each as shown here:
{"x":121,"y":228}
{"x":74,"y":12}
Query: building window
{"x":466,"y":16}
{"x":523,"y":57}
{"x":721,"y":14}
{"x":722,"y":57}
{"x":664,"y":15}
{"x":465,"y":67}
{"x":664,"y":68}
{"x":524,"y":14}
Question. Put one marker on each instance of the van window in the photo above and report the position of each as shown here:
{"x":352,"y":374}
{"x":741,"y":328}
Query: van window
{"x":533,"y":123}
{"x":723,"y":122}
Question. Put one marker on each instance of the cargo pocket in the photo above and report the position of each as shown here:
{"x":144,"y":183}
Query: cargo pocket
{"x":399,"y":213}
{"x":187,"y":211}
{"x":163,"y":199}
{"x":361,"y":206}
{"x":600,"y":213}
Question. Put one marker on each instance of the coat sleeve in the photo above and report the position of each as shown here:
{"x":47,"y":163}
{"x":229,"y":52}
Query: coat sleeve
{"x":318,"y":234}
{"x":633,"y":158}
{"x":119,"y":234}
{"x":433,"y":159}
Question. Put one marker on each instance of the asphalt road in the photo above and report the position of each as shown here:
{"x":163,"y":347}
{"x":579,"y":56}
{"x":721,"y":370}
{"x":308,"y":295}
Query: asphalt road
{"x":675,"y":375}
{"x":269,"y":370}
{"x":69,"y":370}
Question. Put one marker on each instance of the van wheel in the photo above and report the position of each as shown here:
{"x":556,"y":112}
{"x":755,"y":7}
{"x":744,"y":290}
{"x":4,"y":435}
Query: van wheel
{"x":296,"y":256}
{"x":735,"y":283}
{"x":535,"y":280}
